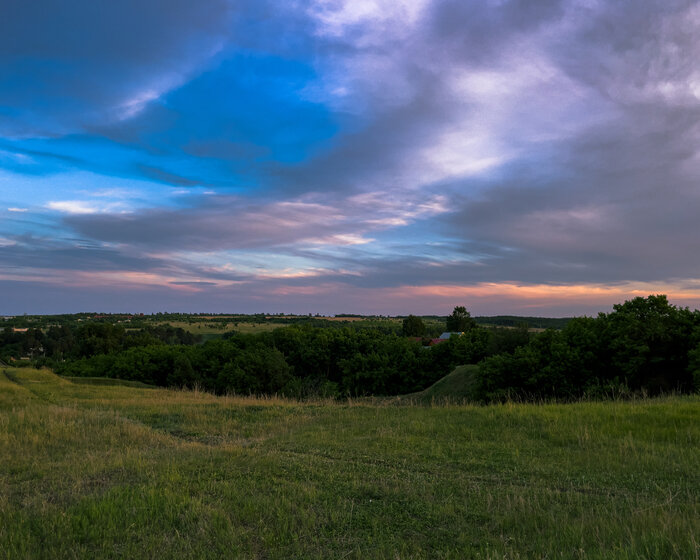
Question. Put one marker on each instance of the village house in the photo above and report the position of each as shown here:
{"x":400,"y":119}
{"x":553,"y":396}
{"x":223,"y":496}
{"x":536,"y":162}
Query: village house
{"x":443,"y":337}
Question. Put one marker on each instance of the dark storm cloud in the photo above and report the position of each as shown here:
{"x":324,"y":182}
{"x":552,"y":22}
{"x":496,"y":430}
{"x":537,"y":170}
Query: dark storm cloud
{"x":27,"y":251}
{"x":41,"y":154}
{"x":71,"y":63}
{"x":615,"y":199}
{"x":625,"y":46}
{"x":370,"y":157}
{"x":216,"y":222}
{"x":193,"y":284}
{"x":399,"y":95}
{"x":553,"y":142}
{"x":621,"y":201}
{"x":225,"y":224}
{"x":166,"y":177}
{"x":477,"y":31}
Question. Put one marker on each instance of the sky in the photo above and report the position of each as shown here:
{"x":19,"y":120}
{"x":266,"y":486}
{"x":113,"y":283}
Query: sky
{"x":348,"y":156}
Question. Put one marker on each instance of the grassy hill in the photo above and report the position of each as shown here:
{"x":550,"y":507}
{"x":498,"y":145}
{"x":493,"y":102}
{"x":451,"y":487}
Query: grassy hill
{"x":455,"y":387}
{"x":110,"y":471}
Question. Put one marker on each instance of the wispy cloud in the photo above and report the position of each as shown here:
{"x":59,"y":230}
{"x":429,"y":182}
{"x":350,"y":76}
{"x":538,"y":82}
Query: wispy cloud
{"x":72,"y":207}
{"x":84,"y":207}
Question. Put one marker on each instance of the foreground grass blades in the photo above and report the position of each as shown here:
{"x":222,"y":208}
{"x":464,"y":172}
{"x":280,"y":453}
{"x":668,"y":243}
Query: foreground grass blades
{"x":111,"y":471}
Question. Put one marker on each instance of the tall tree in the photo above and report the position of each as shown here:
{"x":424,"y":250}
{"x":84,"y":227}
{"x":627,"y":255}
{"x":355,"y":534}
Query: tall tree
{"x":460,"y":320}
{"x":413,"y":326}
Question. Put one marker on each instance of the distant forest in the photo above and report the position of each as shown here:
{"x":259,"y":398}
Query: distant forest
{"x":644,"y":345}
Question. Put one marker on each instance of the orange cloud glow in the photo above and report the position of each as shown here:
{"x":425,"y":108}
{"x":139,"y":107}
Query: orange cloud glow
{"x":521,"y":296}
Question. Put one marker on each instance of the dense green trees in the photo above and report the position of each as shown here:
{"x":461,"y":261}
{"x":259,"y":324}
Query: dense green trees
{"x":82,"y":340}
{"x":694,"y":361}
{"x":413,"y":326}
{"x":296,"y":361}
{"x":645,"y":344}
{"x":255,"y":370}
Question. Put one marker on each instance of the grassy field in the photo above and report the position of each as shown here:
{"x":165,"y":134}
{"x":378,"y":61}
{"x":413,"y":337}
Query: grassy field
{"x":208,"y":329}
{"x":111,"y":471}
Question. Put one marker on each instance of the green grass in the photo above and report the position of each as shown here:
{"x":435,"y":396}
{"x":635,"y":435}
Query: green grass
{"x":255,"y":328}
{"x":90,"y":471}
{"x":210,"y":330}
{"x":108,"y":381}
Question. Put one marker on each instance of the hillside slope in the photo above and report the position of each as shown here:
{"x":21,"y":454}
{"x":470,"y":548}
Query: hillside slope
{"x":109,"y":471}
{"x":457,"y":386}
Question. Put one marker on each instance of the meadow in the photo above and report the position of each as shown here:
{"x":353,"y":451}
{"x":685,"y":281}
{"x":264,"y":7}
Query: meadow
{"x":218,"y":328}
{"x":117,"y":471}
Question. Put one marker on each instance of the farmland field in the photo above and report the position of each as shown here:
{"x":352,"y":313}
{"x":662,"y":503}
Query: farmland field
{"x":204,"y":328}
{"x":115,"y":471}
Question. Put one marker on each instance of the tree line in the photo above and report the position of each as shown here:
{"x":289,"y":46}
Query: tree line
{"x":644,"y":344}
{"x":295,"y":361}
{"x":63,"y":342}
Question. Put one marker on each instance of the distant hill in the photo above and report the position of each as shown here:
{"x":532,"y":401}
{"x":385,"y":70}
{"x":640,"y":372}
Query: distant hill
{"x":505,"y":321}
{"x":532,"y":322}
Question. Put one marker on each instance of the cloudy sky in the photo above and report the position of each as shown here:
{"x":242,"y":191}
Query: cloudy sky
{"x":358,"y":156}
